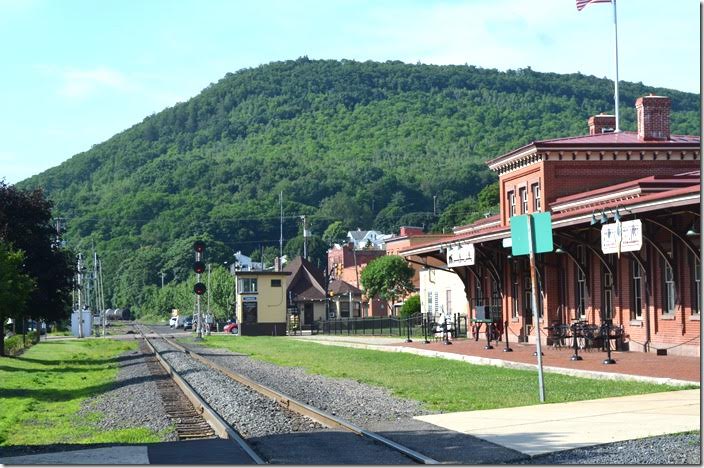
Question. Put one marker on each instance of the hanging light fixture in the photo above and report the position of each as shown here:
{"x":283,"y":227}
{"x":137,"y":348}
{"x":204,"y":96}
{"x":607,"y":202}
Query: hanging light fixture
{"x":604,"y":219}
{"x":559,"y":250}
{"x":692,"y":232}
{"x":593,"y":221}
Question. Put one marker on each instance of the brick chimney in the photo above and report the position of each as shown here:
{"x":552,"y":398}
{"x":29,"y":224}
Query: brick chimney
{"x":653,"y":115}
{"x":601,"y":123}
{"x":410,"y":231}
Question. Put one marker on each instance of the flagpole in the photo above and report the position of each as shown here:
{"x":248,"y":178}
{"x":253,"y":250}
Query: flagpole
{"x":618,"y":129}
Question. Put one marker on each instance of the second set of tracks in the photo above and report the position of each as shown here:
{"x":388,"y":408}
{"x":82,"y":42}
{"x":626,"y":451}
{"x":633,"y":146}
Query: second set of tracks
{"x":339,"y":441}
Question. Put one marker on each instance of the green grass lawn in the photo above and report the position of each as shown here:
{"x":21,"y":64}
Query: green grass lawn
{"x":440,"y":384}
{"x":42,"y":390}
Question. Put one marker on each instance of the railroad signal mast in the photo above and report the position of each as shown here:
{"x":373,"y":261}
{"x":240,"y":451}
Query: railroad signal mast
{"x":199,"y":288}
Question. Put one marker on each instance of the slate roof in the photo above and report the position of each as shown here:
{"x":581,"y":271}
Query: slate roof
{"x":342,"y":287}
{"x":307,"y":281}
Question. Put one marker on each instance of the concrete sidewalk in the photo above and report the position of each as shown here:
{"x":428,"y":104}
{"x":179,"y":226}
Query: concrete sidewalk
{"x":540,"y":429}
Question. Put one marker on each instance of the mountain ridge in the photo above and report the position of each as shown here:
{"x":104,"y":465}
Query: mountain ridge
{"x":370,"y":144}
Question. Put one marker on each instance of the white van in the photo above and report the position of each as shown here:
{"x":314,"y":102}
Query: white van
{"x":176,"y":321}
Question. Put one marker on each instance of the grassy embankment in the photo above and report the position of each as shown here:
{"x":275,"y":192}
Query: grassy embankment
{"x":439,"y":383}
{"x":42,"y":390}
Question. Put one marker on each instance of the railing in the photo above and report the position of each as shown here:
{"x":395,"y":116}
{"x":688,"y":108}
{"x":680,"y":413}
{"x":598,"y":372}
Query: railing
{"x":417,"y":325}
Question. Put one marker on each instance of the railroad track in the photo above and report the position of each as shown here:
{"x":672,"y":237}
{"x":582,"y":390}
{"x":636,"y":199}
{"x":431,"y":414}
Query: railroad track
{"x":189,"y":423}
{"x":289,"y":405}
{"x":217,"y":425}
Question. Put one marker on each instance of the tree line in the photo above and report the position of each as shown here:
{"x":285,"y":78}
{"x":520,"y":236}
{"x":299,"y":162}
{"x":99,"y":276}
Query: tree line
{"x":349,"y":144}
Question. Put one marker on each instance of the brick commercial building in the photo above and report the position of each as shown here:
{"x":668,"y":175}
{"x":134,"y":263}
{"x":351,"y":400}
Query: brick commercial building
{"x":346,"y":264}
{"x":643,"y":184}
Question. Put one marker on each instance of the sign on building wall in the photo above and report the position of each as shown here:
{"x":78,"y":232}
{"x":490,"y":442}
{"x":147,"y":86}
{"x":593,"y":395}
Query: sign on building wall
{"x":620,"y":237}
{"x":460,"y":255}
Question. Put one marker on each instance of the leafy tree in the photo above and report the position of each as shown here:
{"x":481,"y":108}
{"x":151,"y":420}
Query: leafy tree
{"x":316,"y":249}
{"x":354,"y":211}
{"x":488,"y":198}
{"x":25,"y":223}
{"x":457,"y":214}
{"x":222,"y":293}
{"x":270,"y":254}
{"x":335,"y":232}
{"x":387,"y":277}
{"x":15,"y":288}
{"x":410,"y":306}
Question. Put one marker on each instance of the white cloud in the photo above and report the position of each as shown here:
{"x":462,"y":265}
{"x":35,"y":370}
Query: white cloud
{"x":84,"y":83}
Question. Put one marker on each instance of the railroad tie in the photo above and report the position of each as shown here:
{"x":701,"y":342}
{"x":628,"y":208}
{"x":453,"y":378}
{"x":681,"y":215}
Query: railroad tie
{"x":188,"y":422}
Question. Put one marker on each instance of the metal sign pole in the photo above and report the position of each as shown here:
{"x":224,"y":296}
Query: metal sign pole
{"x":534,"y":304}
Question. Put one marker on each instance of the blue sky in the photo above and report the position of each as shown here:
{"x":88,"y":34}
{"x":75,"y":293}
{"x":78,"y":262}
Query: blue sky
{"x":76,"y":72}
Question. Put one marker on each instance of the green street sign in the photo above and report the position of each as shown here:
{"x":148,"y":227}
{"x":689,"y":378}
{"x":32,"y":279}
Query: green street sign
{"x":542,"y":233}
{"x":519,"y":235}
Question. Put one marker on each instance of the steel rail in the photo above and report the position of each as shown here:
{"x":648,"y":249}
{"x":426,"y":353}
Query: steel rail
{"x":219,"y":425}
{"x":304,"y":409}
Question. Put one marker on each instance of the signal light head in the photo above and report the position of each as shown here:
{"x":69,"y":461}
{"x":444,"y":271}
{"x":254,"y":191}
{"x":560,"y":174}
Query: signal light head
{"x":199,"y":288}
{"x":199,"y":267}
{"x":199,"y":246}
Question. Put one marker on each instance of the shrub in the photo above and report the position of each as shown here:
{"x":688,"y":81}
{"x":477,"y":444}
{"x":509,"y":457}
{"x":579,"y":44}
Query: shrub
{"x":410,"y":306}
{"x":15,"y":343}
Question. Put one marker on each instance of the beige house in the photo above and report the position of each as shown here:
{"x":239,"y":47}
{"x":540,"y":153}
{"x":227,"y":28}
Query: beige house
{"x":441,"y":292}
{"x":306,"y":291}
{"x":260,"y":302}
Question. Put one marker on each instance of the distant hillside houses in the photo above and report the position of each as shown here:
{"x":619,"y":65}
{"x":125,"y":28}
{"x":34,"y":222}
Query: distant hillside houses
{"x":368,"y":239}
{"x":245,"y":263}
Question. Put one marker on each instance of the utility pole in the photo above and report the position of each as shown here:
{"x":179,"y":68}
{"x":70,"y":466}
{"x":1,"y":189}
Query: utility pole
{"x":281,"y":225}
{"x":96,"y":292}
{"x":305,"y":238}
{"x":79,"y":283}
{"x":102,"y":294}
{"x":58,"y":232}
{"x":162,"y":278}
{"x":435,"y":197}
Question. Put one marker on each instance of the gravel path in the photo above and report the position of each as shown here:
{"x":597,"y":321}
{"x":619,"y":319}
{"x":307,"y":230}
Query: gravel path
{"x":134,"y":401}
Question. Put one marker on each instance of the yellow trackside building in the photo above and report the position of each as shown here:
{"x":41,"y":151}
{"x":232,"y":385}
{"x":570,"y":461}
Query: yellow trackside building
{"x":260,"y":302}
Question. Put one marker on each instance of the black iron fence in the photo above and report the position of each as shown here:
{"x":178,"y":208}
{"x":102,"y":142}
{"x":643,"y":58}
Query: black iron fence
{"x":417,"y":325}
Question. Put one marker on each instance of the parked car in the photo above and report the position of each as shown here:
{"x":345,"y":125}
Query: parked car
{"x":32,"y":326}
{"x":188,"y":323}
{"x":231,"y":327}
{"x":176,"y":321}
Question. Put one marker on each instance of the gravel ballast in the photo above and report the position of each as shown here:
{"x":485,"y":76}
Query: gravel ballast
{"x":134,"y":400}
{"x":252,"y":414}
{"x":358,"y":403}
{"x":676,"y":449}
{"x":361,"y":404}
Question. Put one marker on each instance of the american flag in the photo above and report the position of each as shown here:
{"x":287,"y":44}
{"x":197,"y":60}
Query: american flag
{"x":582,"y":3}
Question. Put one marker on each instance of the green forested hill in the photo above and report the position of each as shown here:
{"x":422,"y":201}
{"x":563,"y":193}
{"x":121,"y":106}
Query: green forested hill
{"x":368,"y":144}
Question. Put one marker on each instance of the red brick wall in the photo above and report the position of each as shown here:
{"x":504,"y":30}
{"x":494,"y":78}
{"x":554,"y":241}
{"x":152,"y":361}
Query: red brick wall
{"x":564,"y":178}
